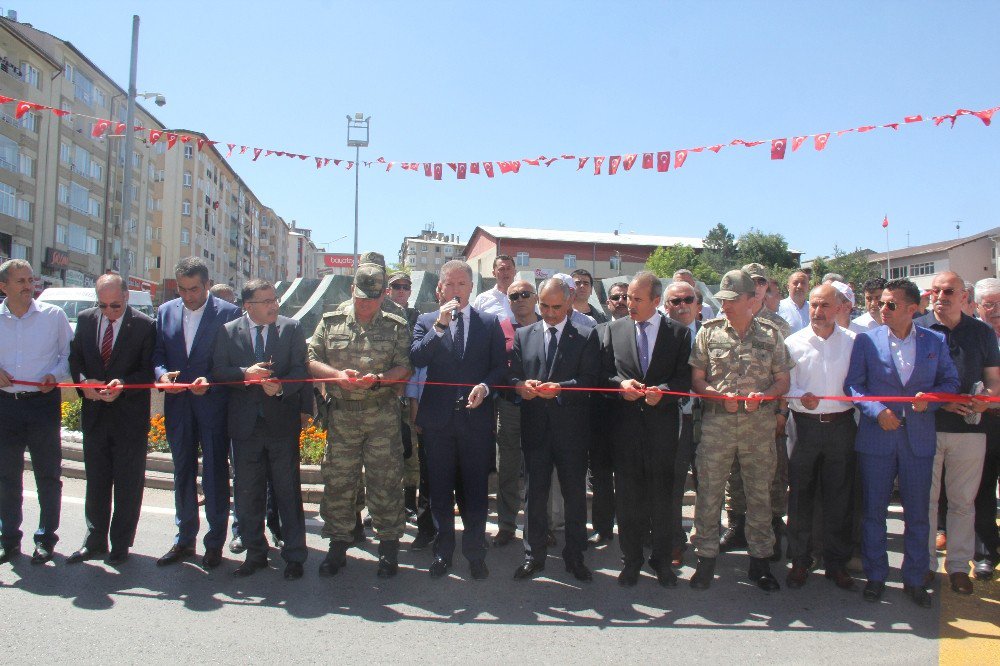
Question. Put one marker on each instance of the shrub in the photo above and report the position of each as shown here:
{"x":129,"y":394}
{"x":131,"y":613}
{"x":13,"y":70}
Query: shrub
{"x":312,"y":444}
{"x":157,"y":434}
{"x":71,"y":414}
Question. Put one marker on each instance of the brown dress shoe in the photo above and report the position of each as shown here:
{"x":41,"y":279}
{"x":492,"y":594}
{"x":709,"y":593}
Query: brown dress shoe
{"x":840,"y":577}
{"x":797,"y":576}
{"x":960,"y":583}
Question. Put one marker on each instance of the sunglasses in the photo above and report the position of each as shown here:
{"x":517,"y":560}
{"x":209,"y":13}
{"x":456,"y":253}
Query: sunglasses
{"x":760,"y":280}
{"x":113,"y":306}
{"x":892,"y":305}
{"x":617,"y":297}
{"x":677,"y":301}
{"x":266,"y":301}
{"x":401,"y":287}
{"x":947,"y":291}
{"x":517,"y":295}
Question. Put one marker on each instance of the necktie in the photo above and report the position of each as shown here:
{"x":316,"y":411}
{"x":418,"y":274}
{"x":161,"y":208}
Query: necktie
{"x":550,"y":353}
{"x":643,"y":348}
{"x":107,"y":342}
{"x":459,"y":336}
{"x":258,"y":344}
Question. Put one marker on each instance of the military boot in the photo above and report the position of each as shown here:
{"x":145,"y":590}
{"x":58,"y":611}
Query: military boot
{"x":359,"y":530}
{"x":702,"y":578}
{"x":410,"y":504}
{"x":734,"y":538}
{"x":388,"y":563}
{"x":778,"y":526}
{"x":760,"y":574}
{"x":335,"y":559}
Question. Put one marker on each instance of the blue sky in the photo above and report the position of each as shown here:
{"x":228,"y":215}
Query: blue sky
{"x":475,"y":81}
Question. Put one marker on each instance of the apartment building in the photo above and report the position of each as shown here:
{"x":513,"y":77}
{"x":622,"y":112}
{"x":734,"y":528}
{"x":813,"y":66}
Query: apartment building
{"x":429,"y":250}
{"x":303,"y":254}
{"x":973,"y":257}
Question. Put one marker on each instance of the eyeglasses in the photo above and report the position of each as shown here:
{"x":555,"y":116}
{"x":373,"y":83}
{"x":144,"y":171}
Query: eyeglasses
{"x":892,"y":305}
{"x":677,"y":301}
{"x":581,"y":283}
{"x":401,"y":287}
{"x":517,"y":295}
{"x":617,"y":297}
{"x":113,"y":306}
{"x":266,"y":301}
{"x":989,"y":305}
{"x":949,"y":291}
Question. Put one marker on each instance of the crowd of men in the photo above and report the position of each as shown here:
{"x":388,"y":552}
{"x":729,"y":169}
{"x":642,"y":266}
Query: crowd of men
{"x":774,"y":408}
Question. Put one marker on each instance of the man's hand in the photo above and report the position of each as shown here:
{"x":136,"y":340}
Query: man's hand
{"x":548,"y":390}
{"x":752,"y":401}
{"x":170,"y":378}
{"x":809,"y":401}
{"x":731,"y":403}
{"x":979,"y":403}
{"x":958,"y":408}
{"x":477,"y":395}
{"x":633,"y":389}
{"x":348,"y":379}
{"x":48,"y":383}
{"x":653,"y":395}
{"x":271,"y":387}
{"x":888,"y":420}
{"x":365,"y":382}
{"x":5,"y":379}
{"x":448,"y":310}
{"x":91,"y":393}
{"x":257,"y":372}
{"x":918,"y":404}
{"x":780,"y":420}
{"x":526,"y":389}
{"x":199,"y":386}
{"x":112,"y":391}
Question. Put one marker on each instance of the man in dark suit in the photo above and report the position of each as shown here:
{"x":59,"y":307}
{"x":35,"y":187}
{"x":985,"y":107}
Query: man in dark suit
{"x":458,"y":345}
{"x":112,"y":347}
{"x":549,"y":356}
{"x":259,"y":349}
{"x":646,"y":355}
{"x":195,"y":416}
{"x":898,"y":439}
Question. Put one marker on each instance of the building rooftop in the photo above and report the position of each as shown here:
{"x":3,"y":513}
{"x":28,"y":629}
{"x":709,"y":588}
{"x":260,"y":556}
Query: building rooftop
{"x":930,"y":248}
{"x":608,"y":238}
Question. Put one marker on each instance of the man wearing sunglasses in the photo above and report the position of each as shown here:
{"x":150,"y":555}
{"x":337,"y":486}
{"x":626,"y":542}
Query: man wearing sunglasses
{"x":618,"y":300}
{"x":961,"y":433}
{"x":898,"y":439}
{"x":112,"y":346}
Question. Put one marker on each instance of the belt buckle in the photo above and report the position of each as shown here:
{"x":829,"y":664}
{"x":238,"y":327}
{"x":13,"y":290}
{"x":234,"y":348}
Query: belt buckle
{"x":826,"y":418}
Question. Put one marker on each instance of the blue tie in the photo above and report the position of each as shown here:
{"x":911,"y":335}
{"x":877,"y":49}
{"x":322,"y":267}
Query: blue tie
{"x":459,"y":336}
{"x":258,"y":344}
{"x":550,"y":353}
{"x":643,"y":347}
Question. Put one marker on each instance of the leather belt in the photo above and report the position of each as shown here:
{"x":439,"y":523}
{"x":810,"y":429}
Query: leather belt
{"x":826,"y":418}
{"x":22,"y":395}
{"x":360,"y":405}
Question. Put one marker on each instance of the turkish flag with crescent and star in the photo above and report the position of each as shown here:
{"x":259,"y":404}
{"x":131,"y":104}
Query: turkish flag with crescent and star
{"x":797,"y":142}
{"x":598,"y":161}
{"x":663,"y":161}
{"x":820,"y":140}
{"x":629,"y":161}
{"x":100,"y":127}
{"x":461,"y":170}
{"x":885,"y":221}
{"x":437,"y":171}
{"x":679,"y":157}
{"x":154,"y":135}
{"x":613,"y":164}
{"x":778,"y":148}
{"x":488,"y":168}
{"x":647,"y":160}
{"x":582,"y":161}
{"x":474,"y":167}
{"x":23,"y":107}
{"x":427,"y":169}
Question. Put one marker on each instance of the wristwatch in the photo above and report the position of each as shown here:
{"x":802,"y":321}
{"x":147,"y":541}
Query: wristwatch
{"x":440,"y":326}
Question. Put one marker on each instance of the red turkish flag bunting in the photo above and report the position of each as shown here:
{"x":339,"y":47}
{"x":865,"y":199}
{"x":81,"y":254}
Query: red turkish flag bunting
{"x":885,"y":221}
{"x":231,"y":146}
{"x":256,"y":153}
{"x":533,"y":162}
{"x":549,"y":161}
{"x":337,"y":162}
{"x":629,"y":160}
{"x":119,"y":128}
{"x":913,"y":119}
{"x":842,"y":132}
{"x":613,"y":164}
{"x":647,"y":160}
{"x":24,"y":107}
{"x":986,"y":116}
{"x":348,"y":166}
{"x":778,"y":148}
{"x":820,"y":140}
{"x":154,"y":135}
{"x":866,"y":128}
{"x":797,"y":142}
{"x":268,"y":153}
{"x":894,"y":126}
{"x":59,"y":112}
{"x":474,"y":168}
{"x":663,"y":161}
{"x":243,"y":149}
{"x":582,"y":162}
{"x":679,"y":158}
{"x":171,"y":140}
{"x":319,"y":162}
{"x":568,"y":157}
{"x":453,"y":166}
{"x":437,"y":171}
{"x":100,"y":127}
{"x":461,"y":171}
{"x":598,"y":161}
{"x":427,"y":169}
{"x":4,"y":100}
{"x":716,"y":148}
{"x":488,"y":168}
{"x":696,"y":150}
{"x":185,"y":138}
{"x":388,"y":166}
{"x":303,"y":157}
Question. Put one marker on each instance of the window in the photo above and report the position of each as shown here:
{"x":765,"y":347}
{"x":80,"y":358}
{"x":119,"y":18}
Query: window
{"x":100,"y":98}
{"x":185,"y":208}
{"x":61,"y":234}
{"x":437,"y":248}
{"x":83,"y":88}
{"x":185,"y":237}
{"x":423,"y":260}
{"x":18,"y":251}
{"x":438,"y":261}
{"x":96,"y":171}
{"x":423,"y":248}
{"x":81,"y":161}
{"x":616,"y":262}
{"x":6,"y":199}
{"x":136,"y":160}
{"x":92,"y":245}
{"x":94,"y":207}
{"x":79,"y":196}
{"x":521,"y":259}
{"x":922,"y":269}
{"x":30,"y":74}
{"x":24,"y":210}
{"x":187,"y":179}
{"x":449,"y":249}
{"x":77,"y":237}
{"x":188,"y":152}
{"x":26,"y":166}
{"x":29,"y":121}
{"x":65,"y":153}
{"x":410,"y":261}
{"x":898,"y":272}
{"x":569,"y":260}
{"x":63,"y":194}
{"x":8,"y":154}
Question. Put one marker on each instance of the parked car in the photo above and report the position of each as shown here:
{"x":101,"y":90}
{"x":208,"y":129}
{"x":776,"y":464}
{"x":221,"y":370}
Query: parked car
{"x":74,"y":300}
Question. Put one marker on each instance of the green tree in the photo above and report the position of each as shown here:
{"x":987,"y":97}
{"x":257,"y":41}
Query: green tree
{"x":767,"y":249}
{"x":719,"y":248}
{"x":396,"y":267}
{"x":665,"y":261}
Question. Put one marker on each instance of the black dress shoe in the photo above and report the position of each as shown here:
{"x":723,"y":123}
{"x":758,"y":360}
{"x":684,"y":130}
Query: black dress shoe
{"x":919,"y":594}
{"x":550,"y":539}
{"x":703,"y":574}
{"x":422,"y":540}
{"x":598,"y":538}
{"x":249,"y":567}
{"x":873,"y":590}
{"x":579,"y":571}
{"x":293,"y":571}
{"x":212,"y":558}
{"x":8,"y":554}
{"x":85,"y":554}
{"x":665,"y":576}
{"x":529,"y":568}
{"x":503,"y":537}
{"x":439,"y":567}
{"x":629,"y":577}
{"x":760,"y":574}
{"x":42,"y":554}
{"x":175,"y":554}
{"x":479,"y":570}
{"x":116,"y":557}
{"x":236,"y":545}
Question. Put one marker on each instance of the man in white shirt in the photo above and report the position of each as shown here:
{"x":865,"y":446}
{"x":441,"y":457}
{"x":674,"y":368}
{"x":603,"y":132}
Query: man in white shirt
{"x":35,"y":348}
{"x":873,"y":293}
{"x":495,"y":301}
{"x":795,"y":308}
{"x":823,"y":458}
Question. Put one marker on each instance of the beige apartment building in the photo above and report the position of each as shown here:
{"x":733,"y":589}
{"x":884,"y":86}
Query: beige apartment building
{"x":973,"y":257}
{"x":430,"y":250}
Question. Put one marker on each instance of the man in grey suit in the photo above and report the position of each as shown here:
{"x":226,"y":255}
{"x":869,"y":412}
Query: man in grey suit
{"x":259,"y":349}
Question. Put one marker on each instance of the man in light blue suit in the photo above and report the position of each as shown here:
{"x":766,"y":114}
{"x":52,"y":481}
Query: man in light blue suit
{"x":185,"y":337}
{"x":898,"y":439}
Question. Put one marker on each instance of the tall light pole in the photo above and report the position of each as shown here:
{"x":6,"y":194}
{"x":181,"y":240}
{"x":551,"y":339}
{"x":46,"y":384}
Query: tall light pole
{"x":355,"y":138}
{"x":127,"y":149}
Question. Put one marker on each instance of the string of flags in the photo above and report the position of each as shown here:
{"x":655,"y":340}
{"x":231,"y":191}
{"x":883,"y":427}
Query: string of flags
{"x":660,"y":160}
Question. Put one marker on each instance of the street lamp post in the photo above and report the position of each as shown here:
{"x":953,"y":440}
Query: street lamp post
{"x":127,"y":149}
{"x":358,"y":123}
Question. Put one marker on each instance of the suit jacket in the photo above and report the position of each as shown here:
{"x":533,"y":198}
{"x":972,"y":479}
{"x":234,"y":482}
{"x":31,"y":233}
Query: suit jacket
{"x":131,"y":362}
{"x":234,"y":353}
{"x":872,"y":372}
{"x":668,"y":366}
{"x":484,"y":362}
{"x":170,"y":354}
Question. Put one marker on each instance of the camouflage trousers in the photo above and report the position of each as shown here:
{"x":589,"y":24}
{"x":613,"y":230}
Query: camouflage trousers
{"x":363,"y":437}
{"x":725,"y":438}
{"x":411,"y":465}
{"x":736,"y":499}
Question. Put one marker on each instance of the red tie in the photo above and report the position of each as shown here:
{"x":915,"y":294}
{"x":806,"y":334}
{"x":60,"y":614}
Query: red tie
{"x":107,"y":343}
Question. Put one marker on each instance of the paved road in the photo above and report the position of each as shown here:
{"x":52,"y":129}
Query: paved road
{"x":93,"y":613}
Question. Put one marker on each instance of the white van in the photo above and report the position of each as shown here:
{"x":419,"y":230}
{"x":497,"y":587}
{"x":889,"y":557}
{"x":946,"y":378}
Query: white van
{"x":74,"y":300}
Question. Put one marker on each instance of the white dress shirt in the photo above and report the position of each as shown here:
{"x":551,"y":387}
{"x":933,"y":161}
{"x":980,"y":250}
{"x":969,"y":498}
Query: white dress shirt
{"x":494,"y":302}
{"x":820,"y":368}
{"x":453,"y":327}
{"x":866,"y":321}
{"x":651,"y":332}
{"x":559,"y":331}
{"x":191,"y":320}
{"x":35,"y":344}
{"x":253,"y":331}
{"x":904,"y":353}
{"x":797,"y":317}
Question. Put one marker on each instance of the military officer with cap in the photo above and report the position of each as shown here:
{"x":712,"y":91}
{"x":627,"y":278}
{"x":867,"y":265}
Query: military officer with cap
{"x":737,"y":360}
{"x":358,"y":349}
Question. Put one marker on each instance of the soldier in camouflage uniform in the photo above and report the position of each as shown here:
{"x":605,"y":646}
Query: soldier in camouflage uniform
{"x":739,"y":359}
{"x":357,"y":348}
{"x":734,"y":537}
